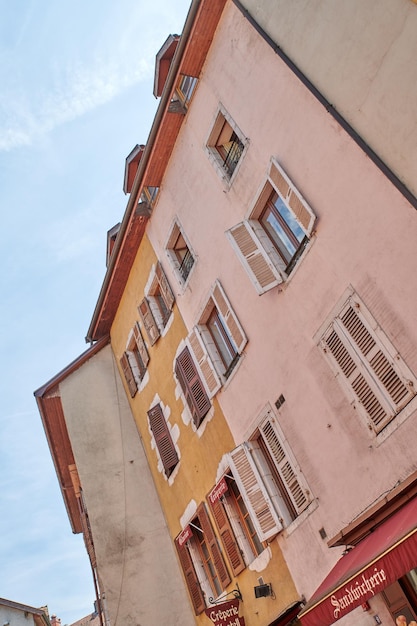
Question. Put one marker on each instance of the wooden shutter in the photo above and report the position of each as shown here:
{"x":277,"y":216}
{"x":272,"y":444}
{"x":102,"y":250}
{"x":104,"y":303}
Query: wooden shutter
{"x":148,"y":321}
{"x":302,"y":211}
{"x":163,"y":440}
{"x":263,"y":515}
{"x":144,"y":355}
{"x":284,"y":466}
{"x":229,"y":317}
{"x":213,"y":546}
{"x":192,"y":386}
{"x":254,"y":257}
{"x":227,"y":536}
{"x":164,"y":285}
{"x":191,"y":579}
{"x":373,"y":376}
{"x":128,"y":374}
{"x":210,"y":376}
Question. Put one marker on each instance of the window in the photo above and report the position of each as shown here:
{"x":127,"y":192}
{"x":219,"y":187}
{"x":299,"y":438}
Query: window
{"x":155,"y":309}
{"x":163,"y":439}
{"x":226,"y":144}
{"x":271,"y":242}
{"x":192,"y":387}
{"x":183,"y":94}
{"x":219,"y":334}
{"x":260,"y":493}
{"x":180,"y":254}
{"x":149,"y":195}
{"x":135,"y":359}
{"x":202,"y":561}
{"x":372,"y":372}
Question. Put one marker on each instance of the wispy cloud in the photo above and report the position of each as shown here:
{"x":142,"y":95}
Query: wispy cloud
{"x":76,"y":92}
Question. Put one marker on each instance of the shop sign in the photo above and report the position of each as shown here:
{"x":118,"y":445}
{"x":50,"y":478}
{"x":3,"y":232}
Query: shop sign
{"x":225,"y":614}
{"x":217,"y":491}
{"x":184,"y":536}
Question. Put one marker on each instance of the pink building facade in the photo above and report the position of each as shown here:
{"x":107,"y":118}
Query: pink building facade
{"x":302,"y":293}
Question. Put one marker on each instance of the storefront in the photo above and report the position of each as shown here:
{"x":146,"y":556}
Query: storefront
{"x":382,"y":562}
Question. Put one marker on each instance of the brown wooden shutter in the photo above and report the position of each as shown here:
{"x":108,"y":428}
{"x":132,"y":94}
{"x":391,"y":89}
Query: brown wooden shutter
{"x":163,"y":439}
{"x":144,"y":355}
{"x":148,"y":321}
{"x":213,"y":546}
{"x":128,"y":374}
{"x":262,"y":512}
{"x":192,"y":386}
{"x":164,"y":285}
{"x":191,"y":579}
{"x":227,"y":535}
{"x":261,"y":269}
{"x":229,"y":317}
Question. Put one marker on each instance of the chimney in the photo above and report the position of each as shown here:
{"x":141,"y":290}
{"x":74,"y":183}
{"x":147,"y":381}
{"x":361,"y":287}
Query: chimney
{"x":55,"y":621}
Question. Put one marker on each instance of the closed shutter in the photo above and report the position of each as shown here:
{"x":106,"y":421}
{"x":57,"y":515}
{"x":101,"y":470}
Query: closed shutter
{"x":191,"y":579}
{"x":229,"y":317}
{"x":227,"y":536}
{"x":255,"y":259}
{"x":192,"y":386}
{"x":144,"y":355}
{"x":213,"y":546}
{"x":164,"y":285}
{"x":374,"y":377}
{"x":163,"y":440}
{"x":205,"y":364}
{"x":302,"y":211}
{"x":263,"y":515}
{"x":284,"y":466}
{"x":148,"y":321}
{"x":128,"y":374}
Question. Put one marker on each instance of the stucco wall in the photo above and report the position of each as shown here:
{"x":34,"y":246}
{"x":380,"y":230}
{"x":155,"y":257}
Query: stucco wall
{"x":15,"y":617}
{"x":365,"y":237}
{"x":361,"y":56}
{"x":136,"y":561}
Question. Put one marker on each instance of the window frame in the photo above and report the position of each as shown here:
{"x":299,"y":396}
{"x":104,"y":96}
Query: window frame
{"x":156,"y":307}
{"x":259,"y":253}
{"x":174,"y":258}
{"x":225,"y":142}
{"x":343,"y":342}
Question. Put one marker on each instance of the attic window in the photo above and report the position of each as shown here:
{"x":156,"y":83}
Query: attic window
{"x":183,"y":94}
{"x":111,"y":240}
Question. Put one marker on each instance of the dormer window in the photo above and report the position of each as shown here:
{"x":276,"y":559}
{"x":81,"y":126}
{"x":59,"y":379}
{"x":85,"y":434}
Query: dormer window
{"x":111,"y":240}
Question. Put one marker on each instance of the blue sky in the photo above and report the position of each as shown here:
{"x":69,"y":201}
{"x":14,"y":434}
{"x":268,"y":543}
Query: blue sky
{"x":76,"y":96}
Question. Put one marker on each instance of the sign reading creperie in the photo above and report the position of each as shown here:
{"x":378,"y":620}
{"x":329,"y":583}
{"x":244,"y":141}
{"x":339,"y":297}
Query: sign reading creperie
{"x":225,"y":614}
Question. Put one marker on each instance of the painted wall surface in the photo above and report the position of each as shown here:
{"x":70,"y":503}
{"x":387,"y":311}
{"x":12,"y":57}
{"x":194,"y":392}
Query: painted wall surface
{"x":365,"y":238}
{"x":360,"y":55}
{"x":200,"y":450}
{"x":15,"y":617}
{"x":135,"y":558}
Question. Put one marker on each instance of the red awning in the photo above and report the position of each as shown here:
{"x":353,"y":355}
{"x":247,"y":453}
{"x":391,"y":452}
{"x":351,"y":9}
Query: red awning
{"x":386,"y":554}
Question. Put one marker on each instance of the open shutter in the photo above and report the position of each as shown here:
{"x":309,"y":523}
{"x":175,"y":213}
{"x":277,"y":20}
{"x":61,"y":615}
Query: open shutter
{"x":163,"y":440}
{"x":372,"y":375}
{"x":213,"y":546}
{"x":302,"y":211}
{"x":164,"y":285}
{"x":205,"y":364}
{"x":227,"y":536}
{"x":144,"y":355}
{"x":148,"y":321}
{"x":191,"y":579}
{"x":192,"y":386}
{"x":283,"y":464}
{"x":262,"y":512}
{"x":128,"y":374}
{"x":229,"y":317}
{"x":254,"y":257}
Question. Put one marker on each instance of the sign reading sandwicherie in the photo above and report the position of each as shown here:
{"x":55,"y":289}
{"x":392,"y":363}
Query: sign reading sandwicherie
{"x":226,"y":614}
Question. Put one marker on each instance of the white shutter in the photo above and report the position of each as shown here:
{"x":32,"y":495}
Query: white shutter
{"x":254,"y":257}
{"x":284,"y":465}
{"x":229,"y":317}
{"x":203,"y":360}
{"x":263,"y":515}
{"x":299,"y":206}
